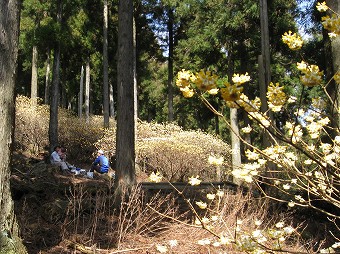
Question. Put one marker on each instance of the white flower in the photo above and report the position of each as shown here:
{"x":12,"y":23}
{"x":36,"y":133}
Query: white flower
{"x":225,"y":240}
{"x":308,"y":162}
{"x":205,"y":220}
{"x":220,"y":193}
{"x":336,"y":245}
{"x":279,"y":224}
{"x":162,"y":248}
{"x":194,"y":181}
{"x":282,"y":239}
{"x":291,"y":99}
{"x":299,"y":198}
{"x":216,"y":244}
{"x":246,"y":130}
{"x":257,"y":233}
{"x":173,"y":243}
{"x":286,"y":186}
{"x":215,"y":161}
{"x":155,"y":177}
{"x":211,"y":196}
{"x":203,"y":242}
{"x":214,"y":218}
{"x":258,"y":222}
{"x":277,"y":182}
{"x":201,"y":204}
{"x":288,"y":230}
{"x":291,"y":204}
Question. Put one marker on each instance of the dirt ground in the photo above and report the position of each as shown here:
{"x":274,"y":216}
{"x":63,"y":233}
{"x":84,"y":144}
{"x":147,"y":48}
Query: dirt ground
{"x":62,"y":213}
{"x":43,"y":197}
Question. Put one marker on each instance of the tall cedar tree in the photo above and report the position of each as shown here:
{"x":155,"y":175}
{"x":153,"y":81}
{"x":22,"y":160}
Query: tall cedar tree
{"x":10,"y":242}
{"x":125,"y":147}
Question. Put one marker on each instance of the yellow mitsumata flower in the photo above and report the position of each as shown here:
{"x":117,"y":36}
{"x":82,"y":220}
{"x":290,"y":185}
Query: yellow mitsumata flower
{"x":321,"y":7}
{"x":249,"y":105}
{"x":240,"y":79}
{"x":183,"y":78}
{"x":293,"y":40}
{"x":187,"y":92}
{"x":332,"y":23}
{"x":337,"y":77}
{"x":231,"y":92}
{"x":251,"y":155}
{"x":215,"y":161}
{"x":205,"y":80}
{"x":312,"y":75}
{"x":155,"y":177}
{"x":201,"y":204}
{"x":194,"y":181}
{"x":276,"y":96}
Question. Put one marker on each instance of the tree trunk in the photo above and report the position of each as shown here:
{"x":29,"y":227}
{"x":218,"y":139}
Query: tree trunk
{"x":235,"y":142}
{"x":264,"y":65}
{"x":34,"y":78}
{"x":47,"y":77}
{"x":170,"y":65}
{"x":87,"y":90}
{"x":234,"y":132}
{"x":10,"y":243}
{"x":265,"y":47}
{"x":112,"y":102}
{"x":125,"y":147}
{"x":333,"y":52}
{"x":53,"y":125}
{"x":105,"y":69}
{"x":81,"y":93}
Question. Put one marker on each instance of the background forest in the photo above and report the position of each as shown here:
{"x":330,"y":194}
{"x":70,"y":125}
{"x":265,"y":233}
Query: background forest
{"x":222,"y":36}
{"x":68,"y":56}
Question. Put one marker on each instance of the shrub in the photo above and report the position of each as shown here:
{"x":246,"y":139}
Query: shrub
{"x":176,"y":153}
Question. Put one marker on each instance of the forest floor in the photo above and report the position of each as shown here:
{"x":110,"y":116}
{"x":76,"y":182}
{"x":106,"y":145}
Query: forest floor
{"x":62,"y":213}
{"x":42,"y":193}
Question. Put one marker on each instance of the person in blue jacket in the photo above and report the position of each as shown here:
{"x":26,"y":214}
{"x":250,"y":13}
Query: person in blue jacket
{"x":101,"y":163}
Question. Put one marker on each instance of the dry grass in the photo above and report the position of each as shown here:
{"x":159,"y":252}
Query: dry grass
{"x":147,"y":222}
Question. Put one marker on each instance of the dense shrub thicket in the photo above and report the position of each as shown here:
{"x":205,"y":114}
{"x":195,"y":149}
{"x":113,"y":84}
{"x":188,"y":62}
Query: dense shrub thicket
{"x":176,"y":153}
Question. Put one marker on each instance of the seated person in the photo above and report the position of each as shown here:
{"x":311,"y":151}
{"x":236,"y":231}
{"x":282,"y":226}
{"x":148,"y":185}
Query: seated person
{"x":58,"y":157}
{"x":101,"y":164}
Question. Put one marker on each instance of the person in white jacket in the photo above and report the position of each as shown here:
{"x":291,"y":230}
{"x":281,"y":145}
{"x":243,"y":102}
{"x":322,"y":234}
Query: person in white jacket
{"x":56,"y":159}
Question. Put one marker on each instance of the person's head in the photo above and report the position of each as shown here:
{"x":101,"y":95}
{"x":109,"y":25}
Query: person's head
{"x":100,"y":152}
{"x":63,"y":149}
{"x":57,"y":148}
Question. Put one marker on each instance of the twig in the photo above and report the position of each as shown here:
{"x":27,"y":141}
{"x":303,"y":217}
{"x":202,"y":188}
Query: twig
{"x":128,"y":250}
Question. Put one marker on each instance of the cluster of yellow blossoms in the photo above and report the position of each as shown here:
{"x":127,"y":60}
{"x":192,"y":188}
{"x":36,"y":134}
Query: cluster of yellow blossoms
{"x":293,"y":40}
{"x":276,"y":97}
{"x":206,"y":81}
{"x":330,"y":23}
{"x":312,"y":76}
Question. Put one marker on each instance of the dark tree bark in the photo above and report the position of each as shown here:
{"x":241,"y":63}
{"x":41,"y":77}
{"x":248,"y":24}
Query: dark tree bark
{"x":106,"y":108}
{"x":332,"y":51}
{"x":53,"y":125}
{"x":10,"y":242}
{"x":125,"y":147}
